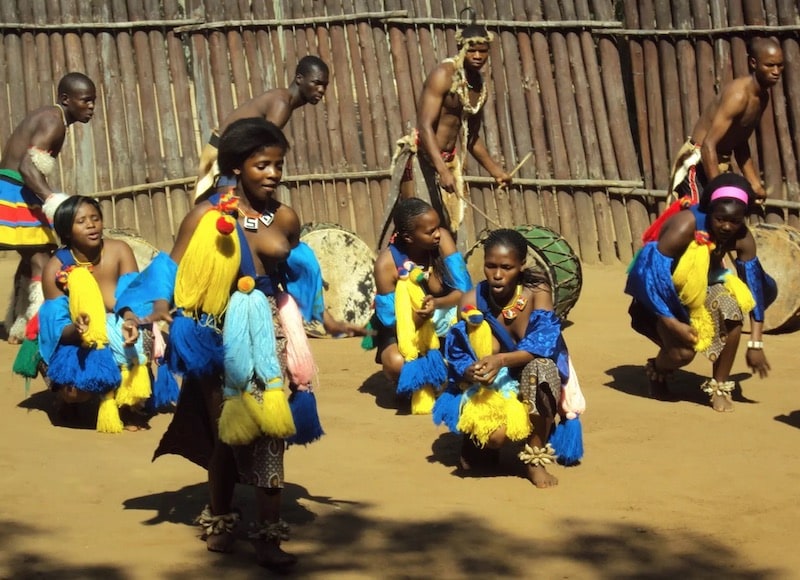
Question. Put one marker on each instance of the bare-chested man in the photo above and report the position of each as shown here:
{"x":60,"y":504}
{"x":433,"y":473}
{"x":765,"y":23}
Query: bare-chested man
{"x":27,"y":201}
{"x":451,"y":107}
{"x":275,"y":105}
{"x":726,"y":125}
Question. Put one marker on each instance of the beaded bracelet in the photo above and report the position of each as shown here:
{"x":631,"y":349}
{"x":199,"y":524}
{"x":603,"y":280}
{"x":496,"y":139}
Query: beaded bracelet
{"x":755,"y":344}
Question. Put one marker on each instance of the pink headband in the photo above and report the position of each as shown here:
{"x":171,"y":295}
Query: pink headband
{"x":731,"y":192}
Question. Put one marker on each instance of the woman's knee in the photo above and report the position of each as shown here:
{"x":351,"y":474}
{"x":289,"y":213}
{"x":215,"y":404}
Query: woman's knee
{"x":393,"y":363}
{"x":680,"y":356}
{"x":497,"y":438}
{"x":72,"y":395}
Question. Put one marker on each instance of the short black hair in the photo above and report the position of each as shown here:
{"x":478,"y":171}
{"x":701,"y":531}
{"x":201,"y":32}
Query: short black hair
{"x":74,"y":81}
{"x":243,"y":138}
{"x":728,"y":179}
{"x":64,"y":218}
{"x":758,"y":44}
{"x":531,"y":276}
{"x":310,"y":63}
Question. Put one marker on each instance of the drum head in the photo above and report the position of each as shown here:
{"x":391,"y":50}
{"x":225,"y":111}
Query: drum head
{"x":143,"y":251}
{"x":549,"y":252}
{"x":347,"y":264}
{"x":778,"y":248}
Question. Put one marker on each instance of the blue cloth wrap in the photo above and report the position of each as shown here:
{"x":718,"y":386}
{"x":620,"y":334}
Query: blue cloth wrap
{"x":155,"y":282}
{"x":384,"y":309}
{"x":761,"y":284}
{"x":650,"y":283}
{"x":302,"y":277}
{"x":443,"y":318}
{"x":456,"y":274}
{"x":54,"y":313}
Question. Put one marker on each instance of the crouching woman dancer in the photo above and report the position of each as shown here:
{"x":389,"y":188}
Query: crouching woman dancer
{"x":89,"y":350}
{"x":228,"y":340}
{"x":420,"y":278}
{"x":507,"y":361}
{"x":686,"y":301}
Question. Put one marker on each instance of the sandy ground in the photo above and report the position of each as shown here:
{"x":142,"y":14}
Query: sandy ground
{"x":666,"y":490}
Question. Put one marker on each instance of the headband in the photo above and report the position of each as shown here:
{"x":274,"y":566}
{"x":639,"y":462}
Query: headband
{"x":732,"y":192}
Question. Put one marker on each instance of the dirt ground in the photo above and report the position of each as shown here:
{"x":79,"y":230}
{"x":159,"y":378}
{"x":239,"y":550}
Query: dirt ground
{"x":666,"y":490}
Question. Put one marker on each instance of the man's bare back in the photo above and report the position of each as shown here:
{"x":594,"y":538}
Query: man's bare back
{"x":274,"y":105}
{"x":725,"y":127}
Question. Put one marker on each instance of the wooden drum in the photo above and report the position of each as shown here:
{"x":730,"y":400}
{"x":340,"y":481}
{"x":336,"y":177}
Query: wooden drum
{"x":551,"y":252}
{"x":779,"y":252}
{"x":347,"y":264}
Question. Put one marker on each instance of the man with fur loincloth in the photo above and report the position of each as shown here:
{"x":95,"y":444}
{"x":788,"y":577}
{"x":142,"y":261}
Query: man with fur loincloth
{"x":726,"y":125}
{"x":450,"y":106}
{"x":27,"y":202}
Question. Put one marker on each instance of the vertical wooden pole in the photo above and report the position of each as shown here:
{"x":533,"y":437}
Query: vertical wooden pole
{"x":114,"y":95}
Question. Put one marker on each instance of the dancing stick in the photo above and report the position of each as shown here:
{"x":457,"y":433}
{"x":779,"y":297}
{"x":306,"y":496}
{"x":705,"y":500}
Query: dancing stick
{"x":517,"y":168}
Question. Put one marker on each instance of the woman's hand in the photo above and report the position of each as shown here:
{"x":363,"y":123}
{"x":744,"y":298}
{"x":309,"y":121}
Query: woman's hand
{"x":425,"y":311}
{"x":757,"y":361}
{"x":682,"y":331}
{"x":81,"y":323}
{"x":161,"y":312}
{"x":485,"y":370}
{"x":130,"y":331}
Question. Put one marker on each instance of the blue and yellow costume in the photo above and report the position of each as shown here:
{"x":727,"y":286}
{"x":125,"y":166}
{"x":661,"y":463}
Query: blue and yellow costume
{"x":102,"y":364}
{"x":690,"y":289}
{"x":424,"y":370}
{"x":225,"y":330}
{"x":478,"y":410}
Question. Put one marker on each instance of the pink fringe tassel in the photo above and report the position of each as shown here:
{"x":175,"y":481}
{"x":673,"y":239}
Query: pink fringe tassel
{"x":299,"y":361}
{"x":572,"y":401}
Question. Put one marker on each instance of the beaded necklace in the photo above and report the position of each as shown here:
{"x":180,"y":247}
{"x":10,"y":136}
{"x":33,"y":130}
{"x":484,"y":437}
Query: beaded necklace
{"x":90,"y":263}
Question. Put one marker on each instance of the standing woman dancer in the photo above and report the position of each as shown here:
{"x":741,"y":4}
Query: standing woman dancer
{"x":228,"y":340}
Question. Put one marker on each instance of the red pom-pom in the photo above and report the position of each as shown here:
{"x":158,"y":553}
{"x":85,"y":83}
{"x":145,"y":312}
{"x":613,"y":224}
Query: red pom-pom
{"x":225,"y":225}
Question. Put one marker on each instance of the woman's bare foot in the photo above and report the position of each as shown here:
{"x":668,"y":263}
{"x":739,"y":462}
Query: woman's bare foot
{"x":539,"y":476}
{"x":657,"y":387}
{"x":221,"y":542}
{"x":719,"y":393}
{"x":473,"y":457}
{"x":721,"y":403}
{"x":134,"y":419}
{"x":218,"y":531}
{"x":270,"y":555}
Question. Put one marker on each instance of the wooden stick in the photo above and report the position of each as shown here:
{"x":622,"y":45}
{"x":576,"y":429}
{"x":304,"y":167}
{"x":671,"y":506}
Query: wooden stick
{"x":521,"y":163}
{"x":63,"y":26}
{"x":289,"y":22}
{"x":713,"y":32}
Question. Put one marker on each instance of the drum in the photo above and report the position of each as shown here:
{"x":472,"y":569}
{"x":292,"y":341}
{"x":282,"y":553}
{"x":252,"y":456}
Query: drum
{"x":551,"y":252}
{"x":779,"y":253}
{"x":347,"y":264}
{"x":143,"y":250}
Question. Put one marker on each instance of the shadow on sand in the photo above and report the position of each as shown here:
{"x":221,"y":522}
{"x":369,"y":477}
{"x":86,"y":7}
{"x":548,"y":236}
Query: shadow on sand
{"x":385,"y":394}
{"x":347,"y":539}
{"x":683,"y":385}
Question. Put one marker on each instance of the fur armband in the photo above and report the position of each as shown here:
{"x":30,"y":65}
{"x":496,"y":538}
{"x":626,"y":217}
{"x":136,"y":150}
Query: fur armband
{"x":51,"y":204}
{"x":42,"y":160}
